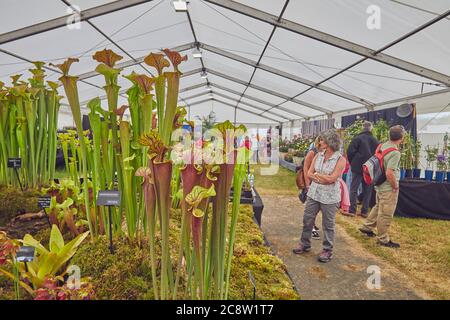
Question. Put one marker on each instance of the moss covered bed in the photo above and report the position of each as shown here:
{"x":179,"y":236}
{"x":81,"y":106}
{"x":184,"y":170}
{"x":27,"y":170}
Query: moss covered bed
{"x":126,"y":274}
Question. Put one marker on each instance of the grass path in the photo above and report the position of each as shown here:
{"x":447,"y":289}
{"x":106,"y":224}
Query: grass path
{"x":421,"y":264}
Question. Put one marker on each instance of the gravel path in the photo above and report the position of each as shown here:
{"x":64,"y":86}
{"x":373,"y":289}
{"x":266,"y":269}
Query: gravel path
{"x":345,"y":277}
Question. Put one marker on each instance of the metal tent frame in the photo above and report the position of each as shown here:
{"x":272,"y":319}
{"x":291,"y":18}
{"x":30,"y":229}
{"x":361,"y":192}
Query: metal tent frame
{"x":274,"y":112}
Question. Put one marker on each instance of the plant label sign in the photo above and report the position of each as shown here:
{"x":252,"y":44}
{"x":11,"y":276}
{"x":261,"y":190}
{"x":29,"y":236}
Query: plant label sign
{"x":14,"y":163}
{"x":25,"y":254}
{"x":109,"y":198}
{"x":44,"y":202}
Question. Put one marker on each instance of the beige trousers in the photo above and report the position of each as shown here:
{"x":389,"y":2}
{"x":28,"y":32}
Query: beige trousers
{"x":381,"y":215}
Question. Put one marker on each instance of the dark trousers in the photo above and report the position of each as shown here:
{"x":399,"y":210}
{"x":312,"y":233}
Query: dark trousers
{"x":312,"y":208}
{"x":367,"y":190}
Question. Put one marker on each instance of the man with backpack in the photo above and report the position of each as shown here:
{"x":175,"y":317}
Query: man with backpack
{"x":386,"y":185}
{"x":361,"y":148}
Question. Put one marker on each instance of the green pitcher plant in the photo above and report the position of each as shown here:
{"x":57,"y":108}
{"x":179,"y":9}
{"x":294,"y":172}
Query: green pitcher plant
{"x":153,"y":159}
{"x":28,"y":125}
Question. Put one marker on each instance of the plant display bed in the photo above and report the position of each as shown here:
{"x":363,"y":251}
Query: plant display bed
{"x":126,"y":274}
{"x":288,"y":165}
{"x":252,"y":197}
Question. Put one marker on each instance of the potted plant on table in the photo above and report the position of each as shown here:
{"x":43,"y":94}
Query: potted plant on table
{"x":297,"y":157}
{"x":247,"y":185}
{"x":431,"y":158}
{"x":288,"y":158}
{"x":409,"y":161}
{"x":441,"y":167}
{"x":448,"y":167}
{"x":283,"y":151}
{"x":416,"y":149}
{"x":446,"y":152}
{"x":406,"y":158}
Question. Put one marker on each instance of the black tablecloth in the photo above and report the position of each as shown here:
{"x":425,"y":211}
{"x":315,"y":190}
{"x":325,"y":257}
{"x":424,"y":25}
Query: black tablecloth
{"x":424,"y":199}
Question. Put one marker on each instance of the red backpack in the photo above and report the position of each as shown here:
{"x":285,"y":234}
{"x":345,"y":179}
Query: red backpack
{"x":373,"y":169}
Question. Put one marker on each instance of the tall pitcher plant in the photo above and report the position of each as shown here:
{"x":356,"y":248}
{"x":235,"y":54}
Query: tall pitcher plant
{"x":210,"y":168}
{"x":158,"y":144}
{"x":70,"y":87}
{"x":28,"y":124}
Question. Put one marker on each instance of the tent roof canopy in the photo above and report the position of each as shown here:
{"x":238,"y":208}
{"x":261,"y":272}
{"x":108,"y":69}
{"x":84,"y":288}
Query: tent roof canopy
{"x":266,"y":61}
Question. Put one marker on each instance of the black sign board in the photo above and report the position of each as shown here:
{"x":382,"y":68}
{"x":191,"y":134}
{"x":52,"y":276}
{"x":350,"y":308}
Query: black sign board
{"x":25,"y":254}
{"x":14,"y":162}
{"x":44,"y":202}
{"x":109,"y":198}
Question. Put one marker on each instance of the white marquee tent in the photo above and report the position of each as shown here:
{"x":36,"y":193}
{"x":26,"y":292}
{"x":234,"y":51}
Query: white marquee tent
{"x":263,"y":62}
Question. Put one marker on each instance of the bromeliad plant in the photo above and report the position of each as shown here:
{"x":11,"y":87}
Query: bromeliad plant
{"x":47,"y":264}
{"x":51,"y":261}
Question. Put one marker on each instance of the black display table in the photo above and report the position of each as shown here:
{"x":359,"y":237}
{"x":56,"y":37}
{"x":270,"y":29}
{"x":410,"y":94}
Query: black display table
{"x":423,"y":199}
{"x":288,"y":165}
{"x":256,"y":201}
{"x":258,"y":207}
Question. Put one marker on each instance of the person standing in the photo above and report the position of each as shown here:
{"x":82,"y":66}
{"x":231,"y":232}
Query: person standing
{"x":255,"y":147}
{"x":387,"y":193}
{"x":313,"y":150}
{"x":324,"y":194}
{"x":361,"y":148}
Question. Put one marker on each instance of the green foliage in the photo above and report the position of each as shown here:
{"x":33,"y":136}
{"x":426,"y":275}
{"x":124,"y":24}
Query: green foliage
{"x":126,"y":274}
{"x":28,"y":120}
{"x":50,"y":262}
{"x":381,"y":130}
{"x":431,"y":156}
{"x":284,"y":149}
{"x":407,"y":156}
{"x":416,"y":151}
{"x":207,"y":121}
{"x":352,"y":131}
{"x":301,"y":145}
{"x":67,"y":209}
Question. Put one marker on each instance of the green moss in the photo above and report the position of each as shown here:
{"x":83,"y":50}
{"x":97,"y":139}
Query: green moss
{"x":122,"y":275}
{"x":250,"y":254}
{"x":127,"y":273}
{"x":13,"y":201}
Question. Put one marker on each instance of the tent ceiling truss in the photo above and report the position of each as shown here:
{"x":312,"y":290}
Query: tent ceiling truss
{"x":276,"y":21}
{"x":367,"y":53}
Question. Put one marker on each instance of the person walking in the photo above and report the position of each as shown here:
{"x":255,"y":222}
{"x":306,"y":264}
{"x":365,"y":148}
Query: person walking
{"x":361,"y":148}
{"x":324,"y":194}
{"x":387,"y":193}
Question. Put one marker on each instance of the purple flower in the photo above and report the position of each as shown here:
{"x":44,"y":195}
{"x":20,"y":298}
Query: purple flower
{"x":441,"y":158}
